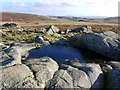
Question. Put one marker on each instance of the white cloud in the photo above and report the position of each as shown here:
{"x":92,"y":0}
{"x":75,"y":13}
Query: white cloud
{"x":68,"y":7}
{"x":22,"y":4}
{"x":13,"y":1}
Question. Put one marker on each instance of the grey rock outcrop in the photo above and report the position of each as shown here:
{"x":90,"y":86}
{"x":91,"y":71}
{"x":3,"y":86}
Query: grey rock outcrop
{"x":59,"y":81}
{"x":39,"y":39}
{"x":69,"y":78}
{"x":52,"y":29}
{"x":42,"y":40}
{"x":13,"y":54}
{"x":106,"y":43}
{"x":114,"y":64}
{"x":95,"y":75}
{"x":84,"y":29}
{"x":18,"y":76}
{"x":61,"y":42}
{"x":43,"y":68}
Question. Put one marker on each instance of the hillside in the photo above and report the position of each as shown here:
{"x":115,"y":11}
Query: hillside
{"x":112,"y":19}
{"x":91,"y":19}
{"x":22,"y":17}
{"x":63,"y":23}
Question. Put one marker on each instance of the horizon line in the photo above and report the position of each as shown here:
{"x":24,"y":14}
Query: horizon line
{"x":58,"y":15}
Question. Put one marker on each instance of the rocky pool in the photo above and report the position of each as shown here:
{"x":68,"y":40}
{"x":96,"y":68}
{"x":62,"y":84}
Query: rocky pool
{"x":61,"y":54}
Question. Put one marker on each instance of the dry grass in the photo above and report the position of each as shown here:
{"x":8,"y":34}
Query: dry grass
{"x":28,"y":21}
{"x":35,"y":21}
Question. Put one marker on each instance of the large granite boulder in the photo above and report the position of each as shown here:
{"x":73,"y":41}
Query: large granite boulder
{"x":18,"y":76}
{"x":52,"y":29}
{"x":61,"y":79}
{"x":95,"y":75}
{"x":80,"y":78}
{"x":13,"y":54}
{"x":113,"y":79}
{"x":43,"y":68}
{"x":41,"y":40}
{"x":106,"y":43}
{"x":69,"y":78}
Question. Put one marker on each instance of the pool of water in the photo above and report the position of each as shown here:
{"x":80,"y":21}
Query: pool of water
{"x":61,"y":54}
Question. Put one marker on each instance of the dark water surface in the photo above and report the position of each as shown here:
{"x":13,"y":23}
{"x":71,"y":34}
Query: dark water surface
{"x":64,"y":54}
{"x":59,"y":53}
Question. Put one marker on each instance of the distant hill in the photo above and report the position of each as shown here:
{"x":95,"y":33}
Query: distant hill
{"x":97,"y":19}
{"x":32,"y":18}
{"x":22,"y":17}
{"x":112,"y":19}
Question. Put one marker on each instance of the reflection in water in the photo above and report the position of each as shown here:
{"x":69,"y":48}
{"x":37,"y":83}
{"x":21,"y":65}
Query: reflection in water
{"x":59,"y":53}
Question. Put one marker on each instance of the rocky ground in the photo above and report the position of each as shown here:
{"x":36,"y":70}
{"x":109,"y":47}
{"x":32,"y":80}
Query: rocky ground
{"x":19,"y":71}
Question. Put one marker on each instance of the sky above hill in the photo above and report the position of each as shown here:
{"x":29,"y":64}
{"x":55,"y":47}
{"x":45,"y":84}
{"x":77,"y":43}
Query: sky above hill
{"x":107,"y":8}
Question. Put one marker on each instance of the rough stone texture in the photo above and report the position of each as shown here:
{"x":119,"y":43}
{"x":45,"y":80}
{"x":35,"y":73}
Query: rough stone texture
{"x":62,"y":42}
{"x":61,"y":79}
{"x":43,"y":68}
{"x":15,"y":53}
{"x":105,"y":67}
{"x":80,"y":78}
{"x":18,"y":76}
{"x":11,"y":57}
{"x":110,"y":34}
{"x":69,"y":78}
{"x":43,"y":72}
{"x":106,"y":43}
{"x":95,"y":75}
{"x":39,"y":39}
{"x":84,"y":29}
{"x":52,"y":29}
{"x":113,"y":78}
{"x":114,"y":64}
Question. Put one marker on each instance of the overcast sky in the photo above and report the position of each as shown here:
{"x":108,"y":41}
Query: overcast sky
{"x":62,"y":7}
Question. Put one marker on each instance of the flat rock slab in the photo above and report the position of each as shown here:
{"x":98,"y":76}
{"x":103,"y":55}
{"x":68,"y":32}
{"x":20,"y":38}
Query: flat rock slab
{"x":106,"y":43}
